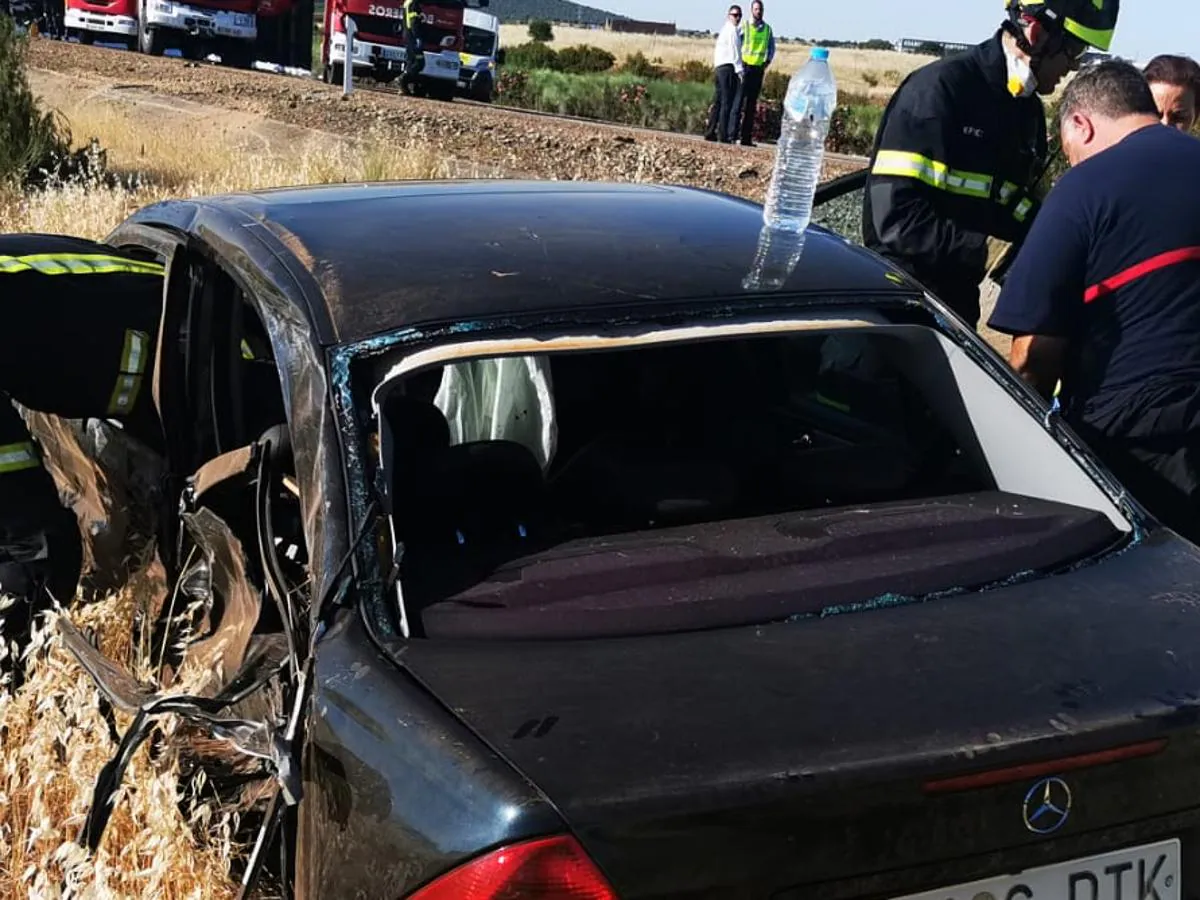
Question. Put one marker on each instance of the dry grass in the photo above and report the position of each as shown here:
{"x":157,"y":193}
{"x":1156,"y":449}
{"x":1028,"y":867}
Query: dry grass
{"x":156,"y":165}
{"x":158,"y":844}
{"x":853,"y":69}
{"x":162,"y":842}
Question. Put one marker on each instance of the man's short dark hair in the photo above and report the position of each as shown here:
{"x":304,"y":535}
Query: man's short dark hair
{"x":1113,"y":89}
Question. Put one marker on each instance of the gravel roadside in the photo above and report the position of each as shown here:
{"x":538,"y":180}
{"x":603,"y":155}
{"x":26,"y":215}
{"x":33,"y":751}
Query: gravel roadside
{"x":520,"y":145}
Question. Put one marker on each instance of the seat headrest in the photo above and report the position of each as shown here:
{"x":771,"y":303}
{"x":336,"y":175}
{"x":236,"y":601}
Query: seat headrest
{"x":417,"y":425}
{"x":474,"y":489}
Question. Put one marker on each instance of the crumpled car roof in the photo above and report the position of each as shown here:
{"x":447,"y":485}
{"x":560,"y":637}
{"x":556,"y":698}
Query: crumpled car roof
{"x":385,"y":257}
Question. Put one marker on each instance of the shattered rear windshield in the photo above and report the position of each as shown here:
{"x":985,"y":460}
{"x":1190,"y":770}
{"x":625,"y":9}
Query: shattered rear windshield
{"x":682,"y":486}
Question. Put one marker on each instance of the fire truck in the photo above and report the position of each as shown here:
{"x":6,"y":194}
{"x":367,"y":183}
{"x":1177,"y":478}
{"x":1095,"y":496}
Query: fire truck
{"x":227,"y":28}
{"x":380,"y":52}
{"x":238,"y":31}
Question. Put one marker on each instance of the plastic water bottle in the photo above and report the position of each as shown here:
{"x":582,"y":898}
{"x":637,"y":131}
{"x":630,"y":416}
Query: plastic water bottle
{"x":807,"y":112}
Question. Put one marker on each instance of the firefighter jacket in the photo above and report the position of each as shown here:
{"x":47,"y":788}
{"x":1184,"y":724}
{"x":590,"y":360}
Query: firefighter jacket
{"x":83,"y":331}
{"x":954,"y":161}
{"x":412,"y":15}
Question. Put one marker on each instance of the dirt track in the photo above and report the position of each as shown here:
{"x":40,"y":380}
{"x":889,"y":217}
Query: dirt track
{"x":521,"y":146}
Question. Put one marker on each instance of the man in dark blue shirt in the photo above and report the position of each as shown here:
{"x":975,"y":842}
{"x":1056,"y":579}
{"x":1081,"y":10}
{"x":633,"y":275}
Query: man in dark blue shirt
{"x":1105,"y":293}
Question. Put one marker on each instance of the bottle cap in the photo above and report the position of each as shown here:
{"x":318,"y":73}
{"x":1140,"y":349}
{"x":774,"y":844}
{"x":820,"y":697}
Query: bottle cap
{"x":820,"y":53}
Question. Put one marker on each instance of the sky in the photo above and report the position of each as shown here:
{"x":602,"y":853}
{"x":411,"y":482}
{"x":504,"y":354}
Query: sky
{"x":1145,"y":28}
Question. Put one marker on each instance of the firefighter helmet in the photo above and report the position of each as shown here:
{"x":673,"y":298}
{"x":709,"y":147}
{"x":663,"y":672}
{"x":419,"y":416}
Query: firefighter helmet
{"x":1090,"y":21}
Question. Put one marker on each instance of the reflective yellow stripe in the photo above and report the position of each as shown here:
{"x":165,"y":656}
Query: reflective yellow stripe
{"x":1099,"y":38}
{"x":129,"y":379}
{"x":1022,"y":209}
{"x":933,"y":173}
{"x":77,"y":264}
{"x":17,"y":457}
{"x":247,"y":352}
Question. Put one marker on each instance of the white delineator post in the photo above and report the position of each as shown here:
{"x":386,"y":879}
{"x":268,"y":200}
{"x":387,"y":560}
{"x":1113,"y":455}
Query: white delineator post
{"x":348,"y":69}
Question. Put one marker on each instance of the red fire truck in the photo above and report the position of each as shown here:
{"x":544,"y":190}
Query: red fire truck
{"x":228,"y":28}
{"x":379,"y":45}
{"x":238,"y":31}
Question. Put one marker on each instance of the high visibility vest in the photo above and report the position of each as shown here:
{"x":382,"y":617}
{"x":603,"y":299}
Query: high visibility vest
{"x":756,"y":44}
{"x":412,"y":17}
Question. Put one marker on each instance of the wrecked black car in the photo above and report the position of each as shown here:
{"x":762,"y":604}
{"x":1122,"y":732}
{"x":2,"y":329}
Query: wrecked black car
{"x":590,"y":542}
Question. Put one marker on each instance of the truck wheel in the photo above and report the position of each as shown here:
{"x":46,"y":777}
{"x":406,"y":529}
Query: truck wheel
{"x":482,"y":90}
{"x":238,"y":56}
{"x":149,"y":40}
{"x":441,"y":90}
{"x":334,"y":73}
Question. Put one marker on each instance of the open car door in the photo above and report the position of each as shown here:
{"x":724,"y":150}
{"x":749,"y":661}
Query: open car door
{"x":227,"y":639}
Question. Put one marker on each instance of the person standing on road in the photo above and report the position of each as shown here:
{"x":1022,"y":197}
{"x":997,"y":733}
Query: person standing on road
{"x":758,"y":52}
{"x":1175,"y":83}
{"x":729,"y":69}
{"x":962,"y":146}
{"x":414,"y":55}
{"x":1105,"y":292}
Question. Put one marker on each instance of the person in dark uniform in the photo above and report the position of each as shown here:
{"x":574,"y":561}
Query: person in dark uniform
{"x":80,"y":344}
{"x":414,"y":56}
{"x":962,"y":145}
{"x":1105,"y":293}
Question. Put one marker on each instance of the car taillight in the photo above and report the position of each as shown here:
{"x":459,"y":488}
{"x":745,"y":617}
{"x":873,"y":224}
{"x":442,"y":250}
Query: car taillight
{"x":547,"y":869}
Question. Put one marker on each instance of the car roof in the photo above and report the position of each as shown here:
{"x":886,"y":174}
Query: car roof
{"x":389,"y":256}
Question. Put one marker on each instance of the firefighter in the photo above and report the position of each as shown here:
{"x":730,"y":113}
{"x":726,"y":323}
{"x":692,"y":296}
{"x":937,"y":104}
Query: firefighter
{"x":414,"y":57}
{"x":81,"y":345}
{"x":963,"y":143}
{"x":1104,"y":296}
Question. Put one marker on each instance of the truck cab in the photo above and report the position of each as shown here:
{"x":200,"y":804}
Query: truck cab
{"x":380,"y":45}
{"x":197,"y":28}
{"x":480,"y":55}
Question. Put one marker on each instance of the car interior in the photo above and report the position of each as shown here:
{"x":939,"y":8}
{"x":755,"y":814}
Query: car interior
{"x":700,"y":485}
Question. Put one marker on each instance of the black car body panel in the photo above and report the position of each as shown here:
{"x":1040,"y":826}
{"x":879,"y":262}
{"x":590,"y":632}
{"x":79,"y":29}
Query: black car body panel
{"x":787,"y":759}
{"x":739,"y":761}
{"x":406,"y":790}
{"x":522,"y":248}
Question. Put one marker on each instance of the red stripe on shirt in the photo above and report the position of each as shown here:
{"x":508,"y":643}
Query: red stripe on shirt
{"x":1153,"y":264}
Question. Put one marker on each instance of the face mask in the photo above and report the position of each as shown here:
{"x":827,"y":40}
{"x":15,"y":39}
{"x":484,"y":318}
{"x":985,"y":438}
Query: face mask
{"x":1021,"y":80}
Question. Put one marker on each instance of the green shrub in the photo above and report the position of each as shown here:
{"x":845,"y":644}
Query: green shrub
{"x":31,"y":141}
{"x":775,"y":85}
{"x":584,"y":60}
{"x":853,"y":128}
{"x":531,"y":56}
{"x":623,"y":98}
{"x":637,"y":64}
{"x":540,"y":30}
{"x":695,"y":70}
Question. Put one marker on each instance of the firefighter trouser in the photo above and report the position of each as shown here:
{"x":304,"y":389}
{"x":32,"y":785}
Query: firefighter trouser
{"x":40,"y":544}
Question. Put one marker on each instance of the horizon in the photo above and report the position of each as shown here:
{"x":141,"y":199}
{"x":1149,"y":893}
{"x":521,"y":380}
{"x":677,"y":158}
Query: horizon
{"x":967,"y":22}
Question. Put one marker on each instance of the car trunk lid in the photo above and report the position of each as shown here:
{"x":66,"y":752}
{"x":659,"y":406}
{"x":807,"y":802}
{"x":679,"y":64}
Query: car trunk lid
{"x":811,"y":756}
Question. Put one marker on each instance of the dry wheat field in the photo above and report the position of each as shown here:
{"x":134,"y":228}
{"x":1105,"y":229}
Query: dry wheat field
{"x":873,"y":72}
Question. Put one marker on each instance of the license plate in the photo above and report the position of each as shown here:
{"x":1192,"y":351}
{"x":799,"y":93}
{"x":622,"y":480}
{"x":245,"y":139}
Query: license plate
{"x":1150,"y":872}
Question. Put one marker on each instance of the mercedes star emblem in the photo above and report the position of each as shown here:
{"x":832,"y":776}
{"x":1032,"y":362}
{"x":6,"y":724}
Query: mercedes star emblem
{"x":1047,"y":806}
